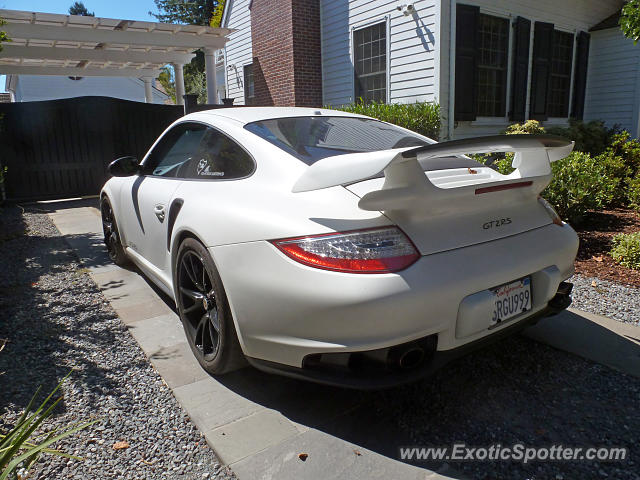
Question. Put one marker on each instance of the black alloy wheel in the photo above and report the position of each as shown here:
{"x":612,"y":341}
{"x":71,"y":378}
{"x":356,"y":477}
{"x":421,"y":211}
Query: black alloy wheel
{"x":200,"y":308}
{"x":111,"y":235}
{"x":204,"y":310}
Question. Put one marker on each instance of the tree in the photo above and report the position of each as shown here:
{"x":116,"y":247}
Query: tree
{"x":216,"y":19}
{"x":630,"y":20}
{"x":190,"y":12}
{"x":166,"y":80}
{"x":3,"y":35}
{"x":78,"y":8}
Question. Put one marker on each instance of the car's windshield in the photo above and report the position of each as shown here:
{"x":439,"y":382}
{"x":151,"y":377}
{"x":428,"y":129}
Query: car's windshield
{"x":313,"y":138}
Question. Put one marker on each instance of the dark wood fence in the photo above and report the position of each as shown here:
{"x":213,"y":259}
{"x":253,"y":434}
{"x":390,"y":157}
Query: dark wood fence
{"x":61,"y":148}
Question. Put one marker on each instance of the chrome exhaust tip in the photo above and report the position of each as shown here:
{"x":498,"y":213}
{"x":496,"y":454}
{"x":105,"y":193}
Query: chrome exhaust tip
{"x":406,"y":358}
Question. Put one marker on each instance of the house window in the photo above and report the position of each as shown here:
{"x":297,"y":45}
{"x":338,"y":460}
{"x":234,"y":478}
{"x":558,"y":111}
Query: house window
{"x":560,"y":76}
{"x":249,"y":94}
{"x":370,"y":61}
{"x":493,"y":45}
{"x":542,"y":76}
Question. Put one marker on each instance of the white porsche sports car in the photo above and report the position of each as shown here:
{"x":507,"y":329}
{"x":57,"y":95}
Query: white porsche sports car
{"x":338,"y":248}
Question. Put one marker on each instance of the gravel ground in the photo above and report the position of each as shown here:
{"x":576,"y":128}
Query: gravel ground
{"x":56,"y":320}
{"x":620,"y":302}
{"x":517,"y":391}
{"x":520,"y":391}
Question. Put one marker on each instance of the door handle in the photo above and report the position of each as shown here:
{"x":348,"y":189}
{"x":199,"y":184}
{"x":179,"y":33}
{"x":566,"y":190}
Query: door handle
{"x":159,"y":211}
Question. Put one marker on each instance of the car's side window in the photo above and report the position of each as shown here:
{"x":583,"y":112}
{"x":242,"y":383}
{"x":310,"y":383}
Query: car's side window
{"x":217,"y":157}
{"x":174,"y":150}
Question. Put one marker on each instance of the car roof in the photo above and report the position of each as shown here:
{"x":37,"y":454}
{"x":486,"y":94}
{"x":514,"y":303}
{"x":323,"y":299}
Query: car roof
{"x":246,"y":115}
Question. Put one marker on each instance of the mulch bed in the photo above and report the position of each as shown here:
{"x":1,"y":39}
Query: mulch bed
{"x":595,"y":235}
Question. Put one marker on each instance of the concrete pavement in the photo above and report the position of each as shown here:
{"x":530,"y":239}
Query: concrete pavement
{"x":258,"y":424}
{"x":594,"y":337}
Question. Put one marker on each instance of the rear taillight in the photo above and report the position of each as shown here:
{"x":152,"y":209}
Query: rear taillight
{"x":555,"y":218}
{"x":379,"y":250}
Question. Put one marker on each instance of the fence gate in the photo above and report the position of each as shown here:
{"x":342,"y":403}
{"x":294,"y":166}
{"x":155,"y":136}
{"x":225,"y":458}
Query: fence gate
{"x":61,"y":148}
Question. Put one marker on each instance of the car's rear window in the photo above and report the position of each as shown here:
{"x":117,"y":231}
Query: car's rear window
{"x":313,"y":138}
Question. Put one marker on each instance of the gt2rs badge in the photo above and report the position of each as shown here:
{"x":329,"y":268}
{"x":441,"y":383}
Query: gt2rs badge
{"x":499,"y":222}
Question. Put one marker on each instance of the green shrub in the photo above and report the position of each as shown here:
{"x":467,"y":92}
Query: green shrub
{"x":597,"y":175}
{"x":498,"y":161}
{"x":628,"y":148}
{"x":580,"y":183}
{"x":622,"y":161}
{"x":626,"y":249}
{"x":502,"y":161}
{"x":420,"y":117}
{"x":633,"y":191}
{"x":590,"y":137}
{"x":616,"y":170}
{"x":532,"y":127}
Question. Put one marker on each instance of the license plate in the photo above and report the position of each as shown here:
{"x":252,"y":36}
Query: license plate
{"x":511,"y":299}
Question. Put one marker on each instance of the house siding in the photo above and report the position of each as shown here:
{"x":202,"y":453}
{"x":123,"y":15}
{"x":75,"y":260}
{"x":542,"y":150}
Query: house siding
{"x":420,"y":54}
{"x":412,"y":43}
{"x":567,"y":15}
{"x":238,"y":51}
{"x":612,"y":84}
{"x":32,"y":88}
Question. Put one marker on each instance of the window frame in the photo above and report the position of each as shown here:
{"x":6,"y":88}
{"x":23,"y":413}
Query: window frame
{"x":562,"y":120}
{"x":507,"y":71}
{"x":352,"y":53}
{"x":495,"y":121}
{"x":246,"y":84}
{"x":208,"y":179}
{"x":148,"y":164}
{"x":484,"y":120}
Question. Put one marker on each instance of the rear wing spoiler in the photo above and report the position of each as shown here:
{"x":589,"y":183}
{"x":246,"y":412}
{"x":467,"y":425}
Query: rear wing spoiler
{"x":402,"y":168}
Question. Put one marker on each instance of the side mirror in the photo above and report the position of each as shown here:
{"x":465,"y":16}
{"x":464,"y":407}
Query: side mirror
{"x":124,"y":167}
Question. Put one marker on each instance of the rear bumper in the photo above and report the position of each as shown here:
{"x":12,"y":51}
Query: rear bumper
{"x":285,"y":311}
{"x":387,"y":377}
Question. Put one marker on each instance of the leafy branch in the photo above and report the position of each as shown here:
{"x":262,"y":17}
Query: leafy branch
{"x":20,"y":446}
{"x":630,"y":20}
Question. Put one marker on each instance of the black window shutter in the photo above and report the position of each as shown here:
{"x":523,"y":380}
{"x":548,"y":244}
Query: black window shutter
{"x":580,"y":76}
{"x":520,"y":69}
{"x":541,"y":71}
{"x":466,"y":62}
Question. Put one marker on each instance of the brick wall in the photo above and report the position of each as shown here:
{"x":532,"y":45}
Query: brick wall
{"x":285,"y":36}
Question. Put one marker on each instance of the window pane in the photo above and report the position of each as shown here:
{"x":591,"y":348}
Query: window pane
{"x":560,"y":81}
{"x":248,"y":85}
{"x":217,"y":157}
{"x":493,"y":37}
{"x":313,"y":138}
{"x":174,"y":149}
{"x":370,"y":62}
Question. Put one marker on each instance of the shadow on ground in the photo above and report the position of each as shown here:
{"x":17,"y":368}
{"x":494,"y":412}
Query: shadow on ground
{"x":49,"y":327}
{"x":516,"y":391}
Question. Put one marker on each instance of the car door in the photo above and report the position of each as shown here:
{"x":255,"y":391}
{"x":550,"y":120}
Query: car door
{"x":149,"y":198}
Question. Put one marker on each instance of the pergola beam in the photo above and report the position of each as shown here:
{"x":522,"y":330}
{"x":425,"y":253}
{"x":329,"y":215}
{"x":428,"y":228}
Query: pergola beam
{"x":80,"y":46}
{"x":93,"y":55}
{"x":128,"y":37}
{"x":78,"y":72}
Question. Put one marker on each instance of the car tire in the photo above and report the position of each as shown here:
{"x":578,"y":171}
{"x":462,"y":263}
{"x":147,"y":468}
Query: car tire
{"x":204,"y":310}
{"x":111,"y":234}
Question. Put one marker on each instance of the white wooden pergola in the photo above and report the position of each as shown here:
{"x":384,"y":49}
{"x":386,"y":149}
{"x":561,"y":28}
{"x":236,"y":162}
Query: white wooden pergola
{"x":74,"y":45}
